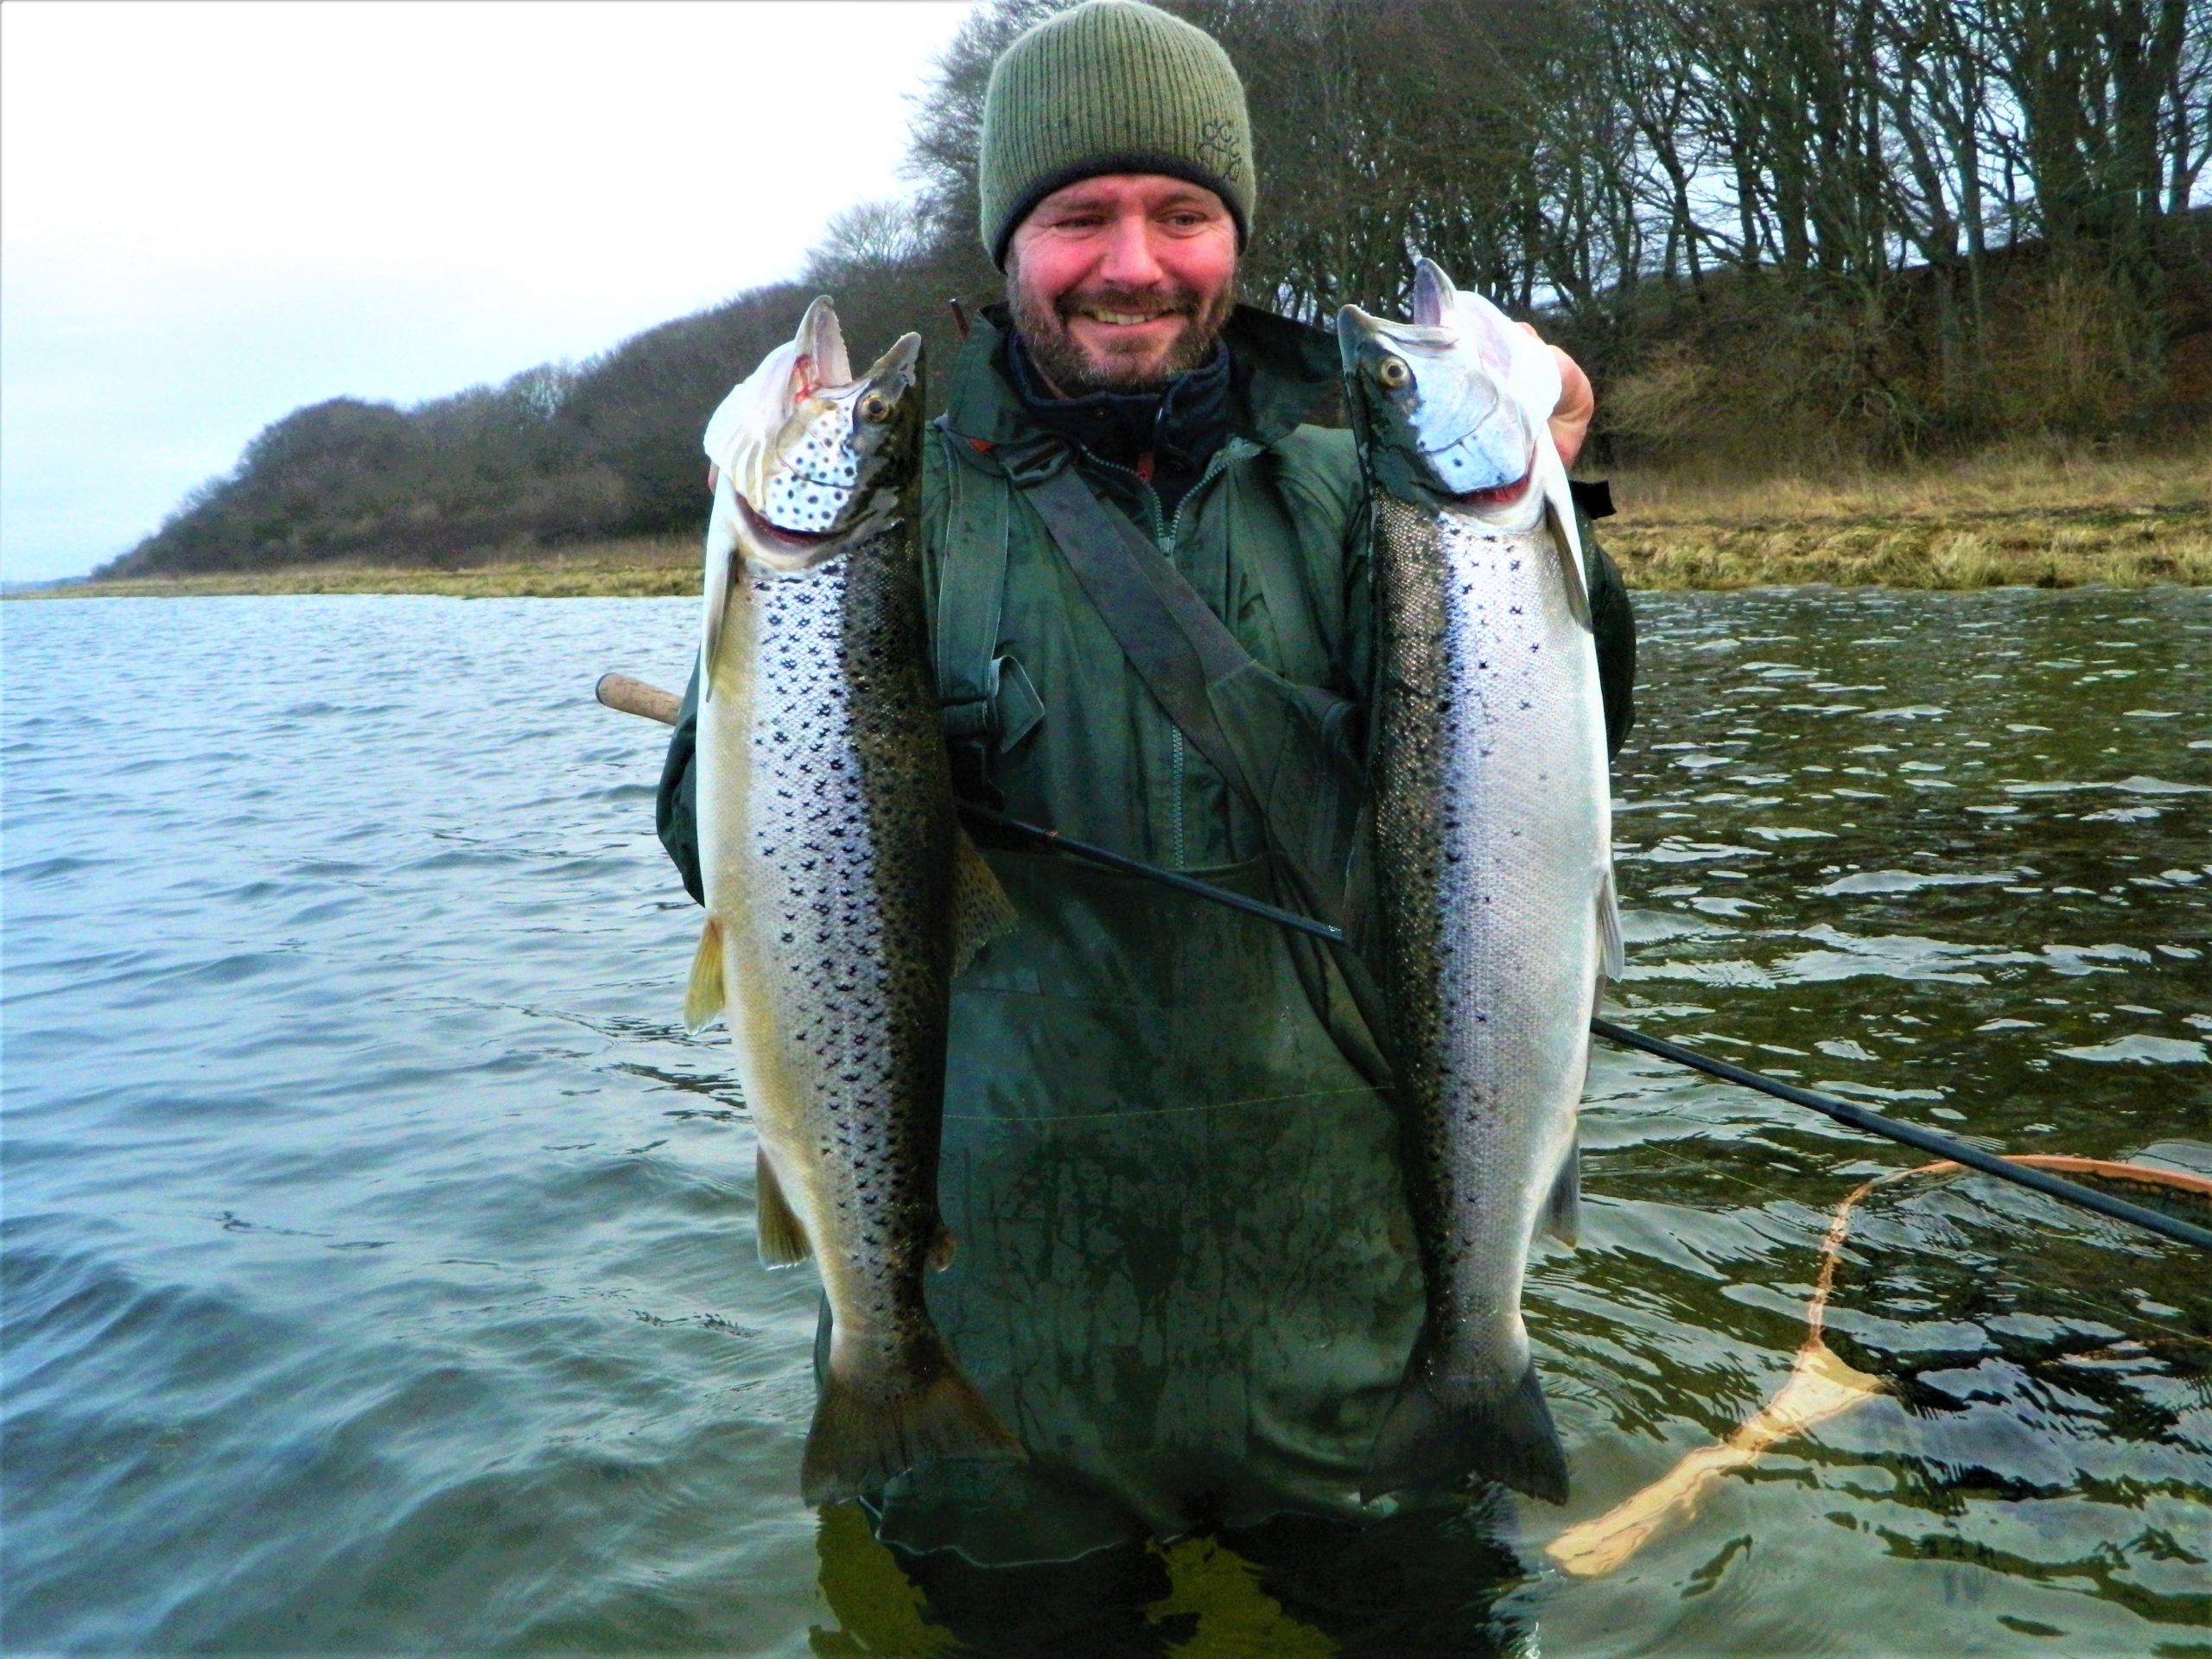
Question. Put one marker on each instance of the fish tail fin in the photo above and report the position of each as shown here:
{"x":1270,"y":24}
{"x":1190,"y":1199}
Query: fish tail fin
{"x":862,"y":1436}
{"x":705,"y":996}
{"x":1443,"y":1428}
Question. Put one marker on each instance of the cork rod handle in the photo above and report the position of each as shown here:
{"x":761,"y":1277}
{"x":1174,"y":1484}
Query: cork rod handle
{"x":635,"y":697}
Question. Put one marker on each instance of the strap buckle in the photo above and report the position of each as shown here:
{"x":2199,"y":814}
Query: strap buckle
{"x":1032,"y":462}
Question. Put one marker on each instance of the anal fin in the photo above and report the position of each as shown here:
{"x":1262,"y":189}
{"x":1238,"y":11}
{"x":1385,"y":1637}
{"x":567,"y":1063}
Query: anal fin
{"x":782,"y":1237}
{"x":706,"y":995}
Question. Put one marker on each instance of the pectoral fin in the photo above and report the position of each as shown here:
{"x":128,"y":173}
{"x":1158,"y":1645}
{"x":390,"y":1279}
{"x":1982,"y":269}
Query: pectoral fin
{"x":1362,"y":904}
{"x":723,"y":561}
{"x":1567,"y":533}
{"x":981,"y":909}
{"x":704,"y":997}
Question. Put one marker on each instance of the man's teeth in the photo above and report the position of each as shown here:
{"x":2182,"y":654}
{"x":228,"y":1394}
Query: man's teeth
{"x":1125,"y":319}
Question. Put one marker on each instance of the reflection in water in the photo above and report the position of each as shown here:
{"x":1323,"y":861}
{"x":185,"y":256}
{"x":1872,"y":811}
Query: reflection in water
{"x":1821,"y":1386}
{"x":1300,"y":1587}
{"x":878,"y":1609}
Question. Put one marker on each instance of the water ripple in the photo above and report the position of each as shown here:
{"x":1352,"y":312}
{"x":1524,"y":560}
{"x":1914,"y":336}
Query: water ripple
{"x":378,"y":1258}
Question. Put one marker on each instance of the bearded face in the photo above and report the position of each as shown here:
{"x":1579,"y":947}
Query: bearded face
{"x":1119,"y":284}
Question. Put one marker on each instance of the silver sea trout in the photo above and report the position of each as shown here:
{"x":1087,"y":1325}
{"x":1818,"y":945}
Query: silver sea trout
{"x":840,"y":894}
{"x":1489,"y":907}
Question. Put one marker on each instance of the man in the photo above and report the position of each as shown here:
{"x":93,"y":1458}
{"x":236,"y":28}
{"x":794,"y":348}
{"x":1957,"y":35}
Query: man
{"x":1186,"y":1274}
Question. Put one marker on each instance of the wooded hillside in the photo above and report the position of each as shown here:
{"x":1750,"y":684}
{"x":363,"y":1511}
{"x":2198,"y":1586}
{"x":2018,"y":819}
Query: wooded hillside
{"x":1778,"y":233}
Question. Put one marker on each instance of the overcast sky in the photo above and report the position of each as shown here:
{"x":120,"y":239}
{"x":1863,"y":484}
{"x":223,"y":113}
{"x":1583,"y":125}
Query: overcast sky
{"x":212,"y":214}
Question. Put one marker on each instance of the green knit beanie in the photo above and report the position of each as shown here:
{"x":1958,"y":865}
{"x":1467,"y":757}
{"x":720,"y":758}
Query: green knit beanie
{"x":1111,"y":87}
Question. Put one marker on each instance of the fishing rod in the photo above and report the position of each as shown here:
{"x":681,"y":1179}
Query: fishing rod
{"x":635,"y":697}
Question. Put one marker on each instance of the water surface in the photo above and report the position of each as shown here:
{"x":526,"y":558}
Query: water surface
{"x":377,"y":1245}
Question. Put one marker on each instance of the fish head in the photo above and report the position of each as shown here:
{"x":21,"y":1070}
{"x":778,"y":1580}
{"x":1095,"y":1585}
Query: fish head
{"x":816,"y":458}
{"x":1449,"y":406}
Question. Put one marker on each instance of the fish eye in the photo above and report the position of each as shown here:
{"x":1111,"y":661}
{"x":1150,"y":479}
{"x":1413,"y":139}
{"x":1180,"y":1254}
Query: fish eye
{"x":1393,"y":372}
{"x":875,"y":408}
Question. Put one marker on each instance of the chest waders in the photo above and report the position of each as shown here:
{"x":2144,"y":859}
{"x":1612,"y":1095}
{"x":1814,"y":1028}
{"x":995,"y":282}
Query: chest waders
{"x":1185,"y":1275}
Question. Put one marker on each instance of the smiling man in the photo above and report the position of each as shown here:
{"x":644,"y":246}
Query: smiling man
{"x":1185,"y":1275}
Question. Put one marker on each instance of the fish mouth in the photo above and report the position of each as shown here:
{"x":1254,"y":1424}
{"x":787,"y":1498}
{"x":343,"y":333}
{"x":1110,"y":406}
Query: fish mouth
{"x":1499,"y":495}
{"x":800,"y":547}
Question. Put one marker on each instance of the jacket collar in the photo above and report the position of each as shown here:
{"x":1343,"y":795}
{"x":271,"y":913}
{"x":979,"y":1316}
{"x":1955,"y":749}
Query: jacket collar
{"x":1280,"y":372}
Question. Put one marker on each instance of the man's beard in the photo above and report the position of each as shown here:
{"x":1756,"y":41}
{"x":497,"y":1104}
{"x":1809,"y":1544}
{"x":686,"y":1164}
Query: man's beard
{"x":1044,"y":330}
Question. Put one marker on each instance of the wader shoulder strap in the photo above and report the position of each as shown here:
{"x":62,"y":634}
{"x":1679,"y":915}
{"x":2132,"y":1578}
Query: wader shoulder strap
{"x":1185,"y":654}
{"x":1171,"y":636}
{"x":971,"y":600}
{"x":986,"y":705}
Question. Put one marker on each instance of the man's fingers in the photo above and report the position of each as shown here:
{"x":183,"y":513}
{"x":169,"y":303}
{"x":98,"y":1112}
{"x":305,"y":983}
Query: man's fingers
{"x":1570,"y":422}
{"x":1570,"y":418}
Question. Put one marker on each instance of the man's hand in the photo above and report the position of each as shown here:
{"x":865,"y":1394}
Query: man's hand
{"x":1570,"y":420}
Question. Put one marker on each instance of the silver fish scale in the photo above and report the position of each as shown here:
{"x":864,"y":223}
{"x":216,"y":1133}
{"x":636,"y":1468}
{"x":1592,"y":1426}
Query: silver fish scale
{"x":1487,"y":864}
{"x":851,"y":833}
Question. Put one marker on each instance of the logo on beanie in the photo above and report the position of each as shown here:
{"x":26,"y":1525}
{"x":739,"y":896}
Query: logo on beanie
{"x":1219,"y":150}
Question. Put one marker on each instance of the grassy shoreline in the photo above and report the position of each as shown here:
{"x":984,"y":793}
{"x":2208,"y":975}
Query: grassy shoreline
{"x":2023,"y":517}
{"x":2016,"y":517}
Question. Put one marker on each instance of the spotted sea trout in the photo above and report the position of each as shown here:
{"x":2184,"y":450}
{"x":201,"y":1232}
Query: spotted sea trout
{"x":1489,"y":907}
{"x":840,"y":894}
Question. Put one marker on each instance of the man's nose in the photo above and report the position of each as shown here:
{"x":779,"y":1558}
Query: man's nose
{"x":1129,"y":262}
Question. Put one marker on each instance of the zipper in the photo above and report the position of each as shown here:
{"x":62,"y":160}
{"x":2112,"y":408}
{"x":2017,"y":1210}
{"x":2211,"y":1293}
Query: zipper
{"x":1231,"y":449}
{"x":1175,"y":792}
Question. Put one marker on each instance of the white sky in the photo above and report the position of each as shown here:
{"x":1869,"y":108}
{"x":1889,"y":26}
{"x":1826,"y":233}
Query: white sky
{"x":212,"y":214}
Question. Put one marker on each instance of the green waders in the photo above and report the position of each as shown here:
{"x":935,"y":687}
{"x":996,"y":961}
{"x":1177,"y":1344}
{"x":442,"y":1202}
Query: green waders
{"x":1185,"y":1275}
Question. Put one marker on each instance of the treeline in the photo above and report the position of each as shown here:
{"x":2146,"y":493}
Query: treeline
{"x":1777,"y":231}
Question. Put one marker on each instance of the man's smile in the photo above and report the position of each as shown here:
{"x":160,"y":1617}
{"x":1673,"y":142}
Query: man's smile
{"x":1123,"y":318}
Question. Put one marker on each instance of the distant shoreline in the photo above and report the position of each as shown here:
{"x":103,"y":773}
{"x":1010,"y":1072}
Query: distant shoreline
{"x":2025,"y":518}
{"x":638,"y":569}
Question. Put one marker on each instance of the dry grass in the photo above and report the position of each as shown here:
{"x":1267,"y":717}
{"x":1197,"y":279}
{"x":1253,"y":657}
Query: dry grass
{"x":2025,"y":515}
{"x":2014,"y":516}
{"x":644,"y":567}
